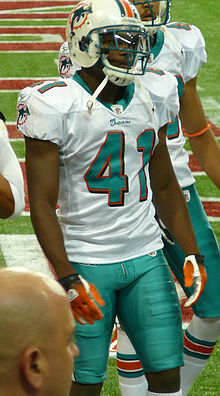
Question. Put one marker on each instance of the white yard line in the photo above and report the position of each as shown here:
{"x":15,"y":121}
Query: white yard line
{"x":23,"y":251}
{"x":9,"y":90}
{"x":30,"y":26}
{"x":24,"y":79}
{"x":36,"y":9}
{"x":29,"y":52}
{"x":212,"y":109}
{"x":45,"y":37}
{"x":213,"y":219}
{"x":210,"y":199}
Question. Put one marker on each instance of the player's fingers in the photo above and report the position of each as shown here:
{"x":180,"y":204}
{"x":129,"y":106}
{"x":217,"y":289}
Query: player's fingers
{"x":196,"y":293}
{"x":188,"y":271}
{"x":203,"y":276}
{"x":78,"y":318}
{"x":87,"y":308}
{"x":95,"y":294}
{"x":95,"y":311}
{"x":83,"y":310}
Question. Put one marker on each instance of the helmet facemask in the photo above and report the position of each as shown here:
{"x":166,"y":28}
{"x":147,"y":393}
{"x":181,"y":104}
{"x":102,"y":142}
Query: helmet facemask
{"x":119,"y":49}
{"x":155,"y":17}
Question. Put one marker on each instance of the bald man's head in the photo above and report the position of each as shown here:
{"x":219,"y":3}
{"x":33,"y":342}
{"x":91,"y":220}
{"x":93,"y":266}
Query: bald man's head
{"x":30,"y":306}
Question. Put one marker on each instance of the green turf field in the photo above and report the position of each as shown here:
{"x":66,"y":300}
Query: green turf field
{"x":206,"y":15}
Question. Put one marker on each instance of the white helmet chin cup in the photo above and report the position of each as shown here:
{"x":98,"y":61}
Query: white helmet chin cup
{"x":117,"y":77}
{"x":89,"y":20}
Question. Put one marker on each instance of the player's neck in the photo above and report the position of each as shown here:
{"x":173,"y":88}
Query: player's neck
{"x":153,"y":40}
{"x":93,"y":78}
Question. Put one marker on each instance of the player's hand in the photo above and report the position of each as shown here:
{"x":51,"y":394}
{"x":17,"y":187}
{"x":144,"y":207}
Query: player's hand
{"x":84,"y":299}
{"x":194,"y":275}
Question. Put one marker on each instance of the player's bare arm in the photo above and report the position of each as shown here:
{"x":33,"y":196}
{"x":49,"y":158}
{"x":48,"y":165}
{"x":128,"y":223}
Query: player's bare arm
{"x":43,"y":185}
{"x":6,"y":199}
{"x":168,"y":197}
{"x":42,"y":164}
{"x":172,"y":209}
{"x":201,"y":138}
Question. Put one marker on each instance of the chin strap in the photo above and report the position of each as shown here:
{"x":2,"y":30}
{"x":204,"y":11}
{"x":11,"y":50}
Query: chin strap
{"x":102,"y":86}
{"x":144,"y":91}
{"x":96,"y":94}
{"x":168,"y":34}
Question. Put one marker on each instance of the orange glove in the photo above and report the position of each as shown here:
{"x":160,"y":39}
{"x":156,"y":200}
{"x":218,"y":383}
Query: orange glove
{"x":83,"y":297}
{"x":194,"y":275}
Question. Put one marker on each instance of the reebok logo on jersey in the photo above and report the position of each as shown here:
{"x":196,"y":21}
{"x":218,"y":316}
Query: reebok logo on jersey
{"x":114,"y":122}
{"x":23,"y":97}
{"x":118,"y":109}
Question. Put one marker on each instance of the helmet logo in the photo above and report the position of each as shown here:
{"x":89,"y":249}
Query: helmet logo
{"x":79,"y":16}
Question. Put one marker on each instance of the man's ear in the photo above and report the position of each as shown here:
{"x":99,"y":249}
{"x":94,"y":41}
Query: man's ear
{"x":32,"y":367}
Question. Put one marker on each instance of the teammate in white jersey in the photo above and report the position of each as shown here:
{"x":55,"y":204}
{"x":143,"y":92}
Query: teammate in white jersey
{"x":97,"y":144}
{"x":11,"y":179}
{"x":180,"y":49}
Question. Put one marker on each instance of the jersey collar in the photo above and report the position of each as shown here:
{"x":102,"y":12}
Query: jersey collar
{"x":157,"y":46}
{"x":120,"y":105}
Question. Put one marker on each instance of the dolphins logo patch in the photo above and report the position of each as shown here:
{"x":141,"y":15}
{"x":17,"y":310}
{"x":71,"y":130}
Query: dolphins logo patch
{"x":22,"y":114}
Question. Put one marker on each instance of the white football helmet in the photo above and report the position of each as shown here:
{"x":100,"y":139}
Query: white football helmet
{"x":154,"y":21}
{"x":97,"y":28}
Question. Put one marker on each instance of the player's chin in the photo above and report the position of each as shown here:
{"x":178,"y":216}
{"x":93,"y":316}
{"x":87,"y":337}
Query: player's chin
{"x":121,"y":64}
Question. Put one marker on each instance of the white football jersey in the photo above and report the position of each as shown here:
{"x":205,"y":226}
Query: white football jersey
{"x":179,"y":49}
{"x":11,"y":170}
{"x":106,"y":212}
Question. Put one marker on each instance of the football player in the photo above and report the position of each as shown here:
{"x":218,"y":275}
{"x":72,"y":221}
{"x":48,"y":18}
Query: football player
{"x":97,"y":144}
{"x":180,"y":49}
{"x":11,"y":179}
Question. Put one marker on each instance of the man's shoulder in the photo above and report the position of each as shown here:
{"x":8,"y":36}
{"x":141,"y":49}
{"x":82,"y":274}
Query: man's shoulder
{"x":51,"y":93}
{"x":159,"y":82}
{"x":187,"y":35}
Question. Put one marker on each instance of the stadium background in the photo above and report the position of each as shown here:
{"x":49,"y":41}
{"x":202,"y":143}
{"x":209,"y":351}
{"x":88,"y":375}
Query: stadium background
{"x":31,"y":34}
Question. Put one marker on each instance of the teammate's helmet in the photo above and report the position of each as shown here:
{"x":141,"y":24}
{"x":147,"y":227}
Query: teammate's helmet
{"x":97,"y":27}
{"x":154,"y":21}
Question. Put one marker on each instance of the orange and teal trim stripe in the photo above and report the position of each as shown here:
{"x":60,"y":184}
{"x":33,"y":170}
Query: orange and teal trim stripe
{"x":125,"y":8}
{"x":129,"y":366}
{"x":199,"y":349}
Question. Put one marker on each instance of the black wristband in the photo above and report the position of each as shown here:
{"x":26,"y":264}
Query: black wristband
{"x":200,"y":258}
{"x":68,"y":280}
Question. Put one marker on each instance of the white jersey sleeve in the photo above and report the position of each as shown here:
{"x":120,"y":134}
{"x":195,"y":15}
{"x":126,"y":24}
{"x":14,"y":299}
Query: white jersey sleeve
{"x":193,"y":44}
{"x":66,"y":67}
{"x":164,"y":94}
{"x":39,"y":116}
{"x":11,"y":170}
